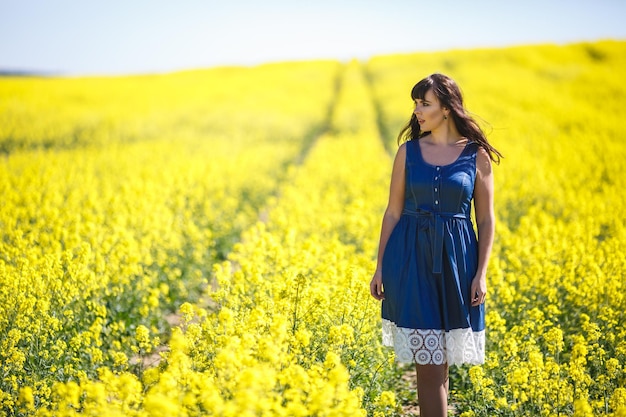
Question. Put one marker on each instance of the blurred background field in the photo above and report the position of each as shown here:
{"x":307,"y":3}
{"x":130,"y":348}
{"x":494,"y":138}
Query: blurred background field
{"x":201,"y":242}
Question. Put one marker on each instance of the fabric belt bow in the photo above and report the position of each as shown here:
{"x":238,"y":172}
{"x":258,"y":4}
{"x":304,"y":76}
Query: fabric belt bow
{"x":436,"y":218}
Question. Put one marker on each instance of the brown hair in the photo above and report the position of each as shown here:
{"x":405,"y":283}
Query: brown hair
{"x":449,"y":95}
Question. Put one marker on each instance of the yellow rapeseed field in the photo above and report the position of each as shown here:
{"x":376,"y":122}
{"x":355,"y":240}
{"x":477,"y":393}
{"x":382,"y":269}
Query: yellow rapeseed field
{"x":201,"y":243}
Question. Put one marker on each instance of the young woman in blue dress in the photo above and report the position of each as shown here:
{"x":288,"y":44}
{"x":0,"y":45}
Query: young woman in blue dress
{"x":432,"y":265}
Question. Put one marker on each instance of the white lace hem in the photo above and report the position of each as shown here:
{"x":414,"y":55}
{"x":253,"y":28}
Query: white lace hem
{"x":435,"y":347}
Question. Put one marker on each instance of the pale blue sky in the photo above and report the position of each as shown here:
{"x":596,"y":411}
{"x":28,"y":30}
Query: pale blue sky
{"x":80,"y":37}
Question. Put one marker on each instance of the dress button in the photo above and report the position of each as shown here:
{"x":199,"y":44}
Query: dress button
{"x":436,"y":178}
{"x":437,"y":168}
{"x":436,"y":201}
{"x":435,"y":189}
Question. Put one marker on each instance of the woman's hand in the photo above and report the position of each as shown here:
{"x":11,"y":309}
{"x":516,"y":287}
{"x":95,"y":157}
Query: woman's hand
{"x":376,"y":286}
{"x":479,"y":290}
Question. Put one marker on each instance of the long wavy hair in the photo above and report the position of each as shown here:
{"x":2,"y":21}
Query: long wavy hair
{"x":449,"y":95}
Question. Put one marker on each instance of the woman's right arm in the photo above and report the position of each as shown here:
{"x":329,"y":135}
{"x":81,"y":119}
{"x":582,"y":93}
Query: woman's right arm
{"x":390,"y":219}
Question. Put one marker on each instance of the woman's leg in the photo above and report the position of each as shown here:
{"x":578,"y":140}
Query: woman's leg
{"x":432,"y":390}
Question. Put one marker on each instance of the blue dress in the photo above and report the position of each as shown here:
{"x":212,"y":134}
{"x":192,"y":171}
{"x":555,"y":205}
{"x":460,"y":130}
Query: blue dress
{"x":428,"y":265}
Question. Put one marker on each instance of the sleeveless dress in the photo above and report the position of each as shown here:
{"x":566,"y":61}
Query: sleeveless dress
{"x":428,"y":265}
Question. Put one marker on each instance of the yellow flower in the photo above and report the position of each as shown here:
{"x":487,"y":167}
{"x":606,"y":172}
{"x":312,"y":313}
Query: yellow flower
{"x":582,"y":408}
{"x":502,"y":403}
{"x":618,"y":399}
{"x":387,"y":399}
{"x":303,"y":336}
{"x":476,"y":374}
{"x":612,"y":367}
{"x":142,"y":337}
{"x":488,"y":394}
{"x":26,"y":398}
{"x":160,"y":405}
{"x":187,"y":311}
{"x":119,"y":359}
{"x":554,"y":340}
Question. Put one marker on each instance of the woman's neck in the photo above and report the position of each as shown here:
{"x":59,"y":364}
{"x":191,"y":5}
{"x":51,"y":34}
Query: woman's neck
{"x":445,"y":135}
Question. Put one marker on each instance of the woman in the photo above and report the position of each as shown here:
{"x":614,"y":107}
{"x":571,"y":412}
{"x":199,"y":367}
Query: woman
{"x":431,"y":265}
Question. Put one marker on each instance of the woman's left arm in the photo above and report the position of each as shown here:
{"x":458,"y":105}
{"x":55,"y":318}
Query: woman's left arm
{"x":485,"y":223}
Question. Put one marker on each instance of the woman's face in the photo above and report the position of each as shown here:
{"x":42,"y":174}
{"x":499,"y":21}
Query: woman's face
{"x":428,"y":112}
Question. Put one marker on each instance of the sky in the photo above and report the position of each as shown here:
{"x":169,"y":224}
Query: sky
{"x":114,"y":37}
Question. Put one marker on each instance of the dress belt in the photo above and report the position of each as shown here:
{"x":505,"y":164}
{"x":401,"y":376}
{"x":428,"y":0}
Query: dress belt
{"x":438,"y":218}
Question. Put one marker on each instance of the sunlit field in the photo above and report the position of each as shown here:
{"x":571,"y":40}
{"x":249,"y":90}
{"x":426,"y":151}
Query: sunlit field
{"x":201,"y":243}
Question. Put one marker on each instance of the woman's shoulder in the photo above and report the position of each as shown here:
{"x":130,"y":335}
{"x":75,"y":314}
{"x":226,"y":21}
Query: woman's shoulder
{"x":400,"y":158}
{"x":402,"y":147}
{"x":483,"y":161}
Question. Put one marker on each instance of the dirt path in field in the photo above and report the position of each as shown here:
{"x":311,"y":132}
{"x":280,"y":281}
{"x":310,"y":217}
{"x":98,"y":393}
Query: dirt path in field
{"x":175,"y":319}
{"x":325,"y":126}
{"x":384,"y":132}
